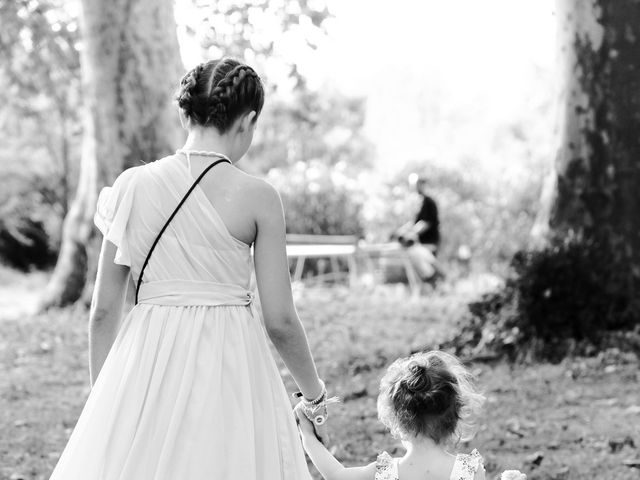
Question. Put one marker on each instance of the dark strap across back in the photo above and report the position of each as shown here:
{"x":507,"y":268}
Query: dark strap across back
{"x":155,"y":242}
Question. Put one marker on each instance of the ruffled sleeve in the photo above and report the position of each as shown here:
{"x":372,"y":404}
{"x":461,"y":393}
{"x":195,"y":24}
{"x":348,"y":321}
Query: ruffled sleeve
{"x":112,"y":213}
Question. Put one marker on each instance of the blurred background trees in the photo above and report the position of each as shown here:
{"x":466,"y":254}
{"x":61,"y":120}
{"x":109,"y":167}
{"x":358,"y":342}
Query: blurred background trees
{"x":39,"y":93}
{"x":312,"y":142}
{"x":128,"y":60}
{"x":76,"y":114}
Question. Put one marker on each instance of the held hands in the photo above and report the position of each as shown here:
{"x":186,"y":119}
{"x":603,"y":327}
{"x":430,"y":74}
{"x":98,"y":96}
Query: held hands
{"x":312,"y":415}
{"x":308,"y":430}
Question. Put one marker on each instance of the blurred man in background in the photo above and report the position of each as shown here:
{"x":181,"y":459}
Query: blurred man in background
{"x":421,"y":237}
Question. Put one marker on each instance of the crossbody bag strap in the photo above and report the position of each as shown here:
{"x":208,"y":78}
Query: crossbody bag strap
{"x":155,"y":242}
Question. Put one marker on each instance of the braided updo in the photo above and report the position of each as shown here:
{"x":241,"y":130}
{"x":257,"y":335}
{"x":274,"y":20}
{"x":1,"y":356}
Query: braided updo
{"x":429,"y":395}
{"x":217,"y":92}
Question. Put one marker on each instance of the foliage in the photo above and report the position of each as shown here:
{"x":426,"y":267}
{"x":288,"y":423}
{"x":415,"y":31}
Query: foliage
{"x":318,"y":199}
{"x":30,"y":221}
{"x":298,"y":124}
{"x":40,"y":95}
{"x":251,"y":29}
{"x":565,"y":298}
{"x":323,"y":125}
{"x":40,"y":89}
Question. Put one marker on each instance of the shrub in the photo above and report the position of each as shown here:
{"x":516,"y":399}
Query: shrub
{"x":565,"y":298}
{"x":29,"y":222}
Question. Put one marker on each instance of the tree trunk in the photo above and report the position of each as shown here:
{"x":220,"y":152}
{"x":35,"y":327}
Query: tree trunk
{"x":130,"y":66}
{"x":595,"y":188}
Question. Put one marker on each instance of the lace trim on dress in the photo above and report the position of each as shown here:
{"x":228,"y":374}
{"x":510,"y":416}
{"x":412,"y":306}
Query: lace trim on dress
{"x":386,"y":467}
{"x":466,"y":465}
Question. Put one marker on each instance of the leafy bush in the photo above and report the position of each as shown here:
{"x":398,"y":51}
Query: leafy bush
{"x":565,"y":298}
{"x":25,"y":244}
{"x":319,"y":200}
{"x":30,"y":221}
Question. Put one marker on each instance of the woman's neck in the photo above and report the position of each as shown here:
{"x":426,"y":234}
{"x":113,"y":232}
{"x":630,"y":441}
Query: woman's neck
{"x":210,"y":141}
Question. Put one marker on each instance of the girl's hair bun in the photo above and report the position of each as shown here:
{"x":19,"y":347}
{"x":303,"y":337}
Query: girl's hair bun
{"x":417,"y":379}
{"x":429,"y":394}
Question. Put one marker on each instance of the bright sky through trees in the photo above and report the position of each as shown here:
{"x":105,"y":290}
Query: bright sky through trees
{"x":424,"y":62}
{"x":441,"y":78}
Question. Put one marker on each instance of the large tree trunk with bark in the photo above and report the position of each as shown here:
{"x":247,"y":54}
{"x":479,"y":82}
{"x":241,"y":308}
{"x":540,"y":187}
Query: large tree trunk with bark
{"x":130,"y":66}
{"x":594,"y":190}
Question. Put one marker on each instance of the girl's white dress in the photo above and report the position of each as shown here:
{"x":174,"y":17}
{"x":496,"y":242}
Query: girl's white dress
{"x":189,"y":389}
{"x":464,"y":467}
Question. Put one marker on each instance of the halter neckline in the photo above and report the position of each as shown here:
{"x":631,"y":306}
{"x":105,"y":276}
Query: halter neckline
{"x":203,"y":153}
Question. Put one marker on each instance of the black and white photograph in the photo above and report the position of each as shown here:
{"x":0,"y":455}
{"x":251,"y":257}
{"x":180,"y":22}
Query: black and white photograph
{"x":319,"y":240}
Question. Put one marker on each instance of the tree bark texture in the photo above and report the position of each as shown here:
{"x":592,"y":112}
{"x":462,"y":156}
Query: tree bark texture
{"x":595,"y":188}
{"x":130,"y":67}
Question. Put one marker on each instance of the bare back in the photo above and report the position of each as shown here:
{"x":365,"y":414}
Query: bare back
{"x":229,"y":190}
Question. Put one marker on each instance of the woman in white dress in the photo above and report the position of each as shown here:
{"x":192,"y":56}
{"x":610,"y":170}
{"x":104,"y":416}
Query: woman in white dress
{"x":185,"y":387}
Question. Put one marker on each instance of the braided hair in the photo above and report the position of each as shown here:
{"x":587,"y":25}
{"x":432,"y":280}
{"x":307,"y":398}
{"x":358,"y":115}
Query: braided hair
{"x":217,"y":92}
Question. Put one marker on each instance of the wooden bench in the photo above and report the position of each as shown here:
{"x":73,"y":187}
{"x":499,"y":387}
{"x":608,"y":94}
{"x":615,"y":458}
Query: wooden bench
{"x":392,"y":250}
{"x":301,"y":246}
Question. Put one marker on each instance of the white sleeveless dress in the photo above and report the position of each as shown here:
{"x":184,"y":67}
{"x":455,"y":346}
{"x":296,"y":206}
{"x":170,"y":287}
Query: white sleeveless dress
{"x":189,"y":389}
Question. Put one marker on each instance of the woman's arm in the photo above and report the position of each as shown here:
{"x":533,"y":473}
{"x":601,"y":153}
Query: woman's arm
{"x":274,"y":285}
{"x":327,"y":465}
{"x":106,"y":307}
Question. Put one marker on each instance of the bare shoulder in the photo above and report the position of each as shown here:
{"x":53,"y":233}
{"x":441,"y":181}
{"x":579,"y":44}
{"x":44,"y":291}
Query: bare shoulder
{"x":264,"y":197}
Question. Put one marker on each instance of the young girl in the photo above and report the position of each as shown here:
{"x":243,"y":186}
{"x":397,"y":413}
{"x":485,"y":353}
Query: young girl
{"x":426,"y":400}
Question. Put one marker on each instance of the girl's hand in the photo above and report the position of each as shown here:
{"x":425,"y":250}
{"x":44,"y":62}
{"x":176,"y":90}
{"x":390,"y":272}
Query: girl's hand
{"x":308,"y":429}
{"x":304,"y":424}
{"x":321,"y":433}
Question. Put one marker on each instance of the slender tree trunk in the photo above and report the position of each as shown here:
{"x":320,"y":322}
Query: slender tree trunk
{"x":595,"y":188}
{"x":129,"y":66}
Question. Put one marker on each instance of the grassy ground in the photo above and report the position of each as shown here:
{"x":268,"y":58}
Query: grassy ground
{"x":579,"y":419}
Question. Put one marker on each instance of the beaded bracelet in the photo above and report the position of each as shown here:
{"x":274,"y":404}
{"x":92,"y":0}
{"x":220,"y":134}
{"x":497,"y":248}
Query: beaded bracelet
{"x":317,"y":415}
{"x":316,"y":410}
